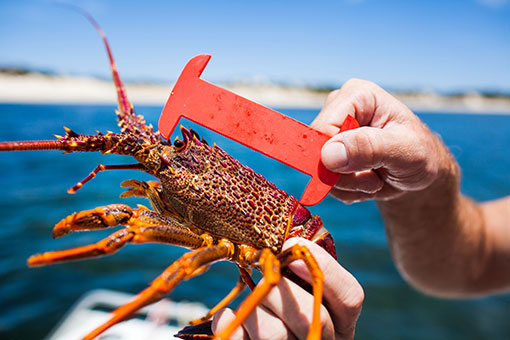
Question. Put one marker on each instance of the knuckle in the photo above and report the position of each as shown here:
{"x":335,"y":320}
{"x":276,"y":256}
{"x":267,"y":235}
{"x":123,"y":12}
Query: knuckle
{"x":376,"y":148}
{"x":351,"y":309}
{"x":367,"y":150}
{"x":420,"y":149}
{"x":332,"y":95}
{"x":356,"y":83}
{"x":424,"y":161}
{"x":420,"y":153}
{"x":354,"y":300}
{"x":353,"y":82}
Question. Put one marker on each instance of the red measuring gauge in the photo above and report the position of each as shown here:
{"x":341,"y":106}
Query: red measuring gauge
{"x":251,"y":124}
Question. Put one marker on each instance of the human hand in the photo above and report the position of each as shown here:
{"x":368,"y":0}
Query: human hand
{"x":286,"y":313}
{"x":392,"y":153}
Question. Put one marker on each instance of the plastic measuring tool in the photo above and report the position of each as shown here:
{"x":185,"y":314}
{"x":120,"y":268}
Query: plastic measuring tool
{"x":251,"y":124}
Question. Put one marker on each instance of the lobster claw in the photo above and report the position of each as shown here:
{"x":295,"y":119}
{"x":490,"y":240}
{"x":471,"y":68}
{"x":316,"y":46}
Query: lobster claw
{"x":201,"y":331}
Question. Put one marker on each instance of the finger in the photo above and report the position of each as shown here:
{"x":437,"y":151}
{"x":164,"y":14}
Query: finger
{"x":343,"y":295}
{"x":293,"y":305}
{"x":361,"y":99}
{"x":222,"y":319}
{"x":386,"y":193}
{"x":260,"y":324}
{"x":410,"y":154}
{"x":343,"y":102}
{"x":263,"y":324}
{"x":367,"y":182}
{"x":356,"y":150}
{"x":402,"y":154}
{"x":350,"y":197}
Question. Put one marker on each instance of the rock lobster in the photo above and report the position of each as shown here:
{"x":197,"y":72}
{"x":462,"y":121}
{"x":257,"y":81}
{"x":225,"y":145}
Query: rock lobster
{"x":205,"y":200}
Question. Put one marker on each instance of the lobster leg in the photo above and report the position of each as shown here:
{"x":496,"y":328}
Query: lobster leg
{"x":270,"y":267}
{"x":299,"y":252}
{"x":111,"y":216}
{"x":244,"y":279}
{"x":239,"y":287}
{"x":150,"y":190}
{"x":102,"y":167}
{"x":109,"y":245}
{"x":182,"y":269}
{"x":140,"y":188}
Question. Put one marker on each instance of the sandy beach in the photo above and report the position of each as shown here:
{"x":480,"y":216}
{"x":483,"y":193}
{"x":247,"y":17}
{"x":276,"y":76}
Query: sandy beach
{"x":41,"y":88}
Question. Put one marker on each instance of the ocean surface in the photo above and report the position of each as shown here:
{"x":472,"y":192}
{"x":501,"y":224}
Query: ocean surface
{"x":33,"y":198}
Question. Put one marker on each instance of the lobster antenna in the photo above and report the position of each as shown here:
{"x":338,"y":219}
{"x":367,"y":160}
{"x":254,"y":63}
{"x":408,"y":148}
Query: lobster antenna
{"x":128,"y":120}
{"x":115,"y":143}
{"x":32,"y":145}
{"x":125,"y":106}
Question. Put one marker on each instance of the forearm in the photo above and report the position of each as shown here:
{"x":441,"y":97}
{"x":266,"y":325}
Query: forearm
{"x":439,"y":238}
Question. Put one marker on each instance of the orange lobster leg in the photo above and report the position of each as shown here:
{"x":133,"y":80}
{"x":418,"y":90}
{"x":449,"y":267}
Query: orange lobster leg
{"x":111,"y":216}
{"x":150,"y":190}
{"x":180,"y":270}
{"x":271,"y":269}
{"x":97,"y":218}
{"x":270,"y":266}
{"x":140,"y":188}
{"x":299,"y":252}
{"x":109,"y":245}
{"x":239,"y":287}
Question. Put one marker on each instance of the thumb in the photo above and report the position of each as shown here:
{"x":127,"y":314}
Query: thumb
{"x":357,"y":150}
{"x":410,"y":159}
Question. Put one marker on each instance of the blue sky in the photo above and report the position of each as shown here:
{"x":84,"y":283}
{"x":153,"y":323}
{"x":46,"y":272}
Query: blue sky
{"x":440,"y":45}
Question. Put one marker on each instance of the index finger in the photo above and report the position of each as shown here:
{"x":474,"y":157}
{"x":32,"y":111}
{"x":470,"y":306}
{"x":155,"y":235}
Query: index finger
{"x":364,"y":100}
{"x":354,"y":98}
{"x":343,"y":295}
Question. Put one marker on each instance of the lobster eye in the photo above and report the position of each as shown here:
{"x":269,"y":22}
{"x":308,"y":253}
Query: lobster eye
{"x":179,"y":144}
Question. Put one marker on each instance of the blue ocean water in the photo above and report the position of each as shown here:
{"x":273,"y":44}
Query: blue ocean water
{"x":34,"y":198}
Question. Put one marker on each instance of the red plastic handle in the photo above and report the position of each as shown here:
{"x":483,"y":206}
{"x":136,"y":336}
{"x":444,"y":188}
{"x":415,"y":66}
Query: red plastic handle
{"x":251,"y":124}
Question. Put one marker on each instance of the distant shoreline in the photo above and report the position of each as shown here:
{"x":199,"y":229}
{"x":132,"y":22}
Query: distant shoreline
{"x":39,"y":88}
